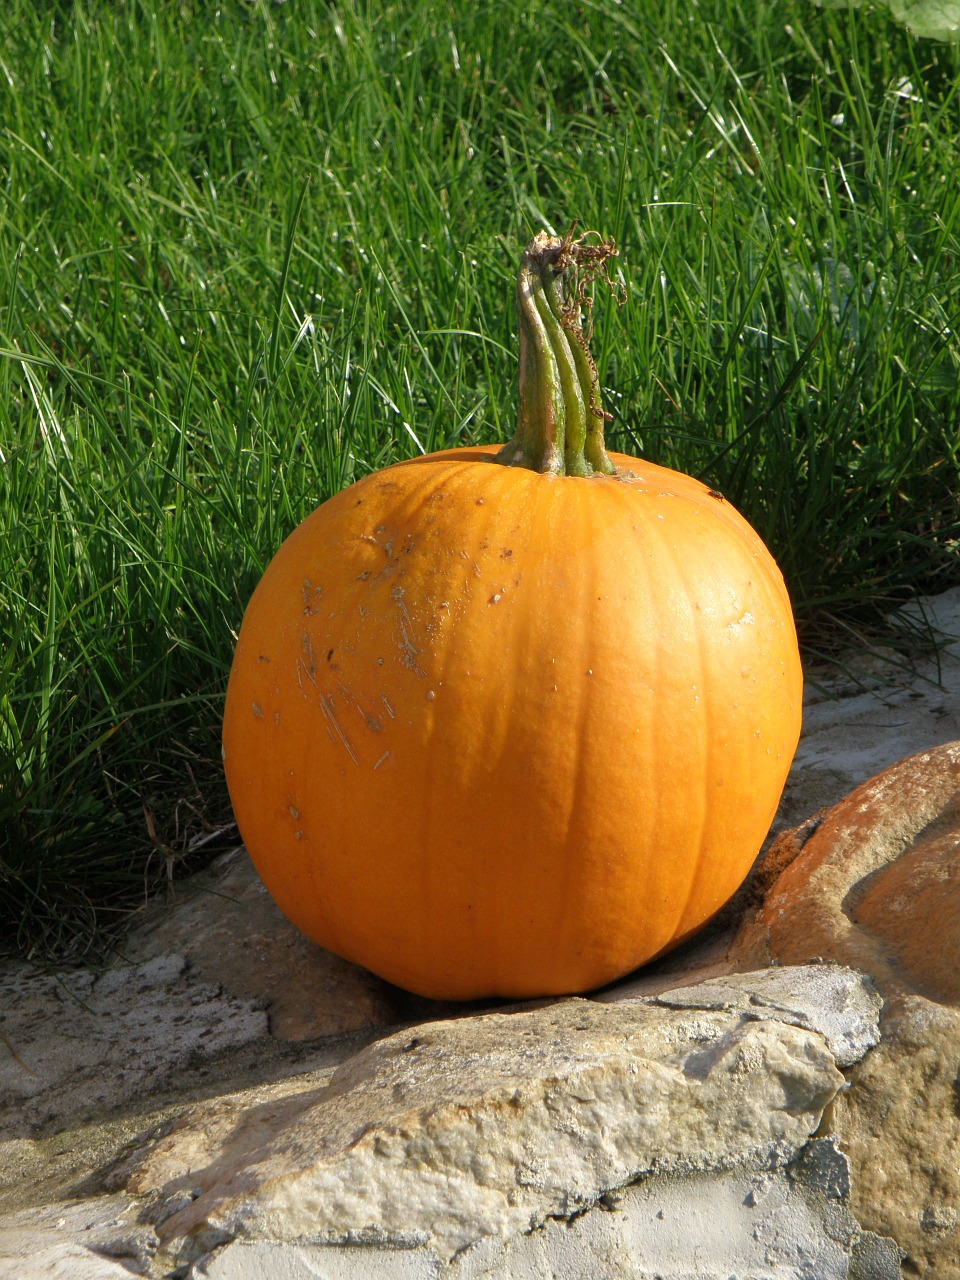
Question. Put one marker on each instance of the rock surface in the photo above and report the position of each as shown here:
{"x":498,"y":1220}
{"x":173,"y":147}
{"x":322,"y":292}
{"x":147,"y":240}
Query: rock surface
{"x":751,"y":1226}
{"x":231,"y":933}
{"x":854,"y":884}
{"x":83,"y":1240}
{"x":900,"y":1127}
{"x":80,"y":1041}
{"x":875,"y":883}
{"x":489,"y":1126}
{"x":882,"y":709}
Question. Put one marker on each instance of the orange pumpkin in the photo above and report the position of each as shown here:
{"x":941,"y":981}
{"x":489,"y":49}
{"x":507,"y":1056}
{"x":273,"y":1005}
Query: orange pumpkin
{"x":507,"y":730}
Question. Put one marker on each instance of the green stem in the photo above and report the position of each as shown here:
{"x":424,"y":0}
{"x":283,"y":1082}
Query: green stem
{"x":560,"y":421}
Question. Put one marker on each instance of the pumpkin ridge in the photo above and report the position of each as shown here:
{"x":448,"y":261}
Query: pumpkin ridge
{"x":704,"y":686}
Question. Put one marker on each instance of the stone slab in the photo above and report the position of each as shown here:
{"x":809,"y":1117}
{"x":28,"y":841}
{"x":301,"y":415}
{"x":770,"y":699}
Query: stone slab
{"x":82,"y":1041}
{"x":454,"y":1131}
{"x":93,"y":1239}
{"x":883,"y":708}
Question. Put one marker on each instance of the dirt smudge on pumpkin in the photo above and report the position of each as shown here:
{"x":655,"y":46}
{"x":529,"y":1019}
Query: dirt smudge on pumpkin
{"x":372,"y":723}
{"x":311,"y":597}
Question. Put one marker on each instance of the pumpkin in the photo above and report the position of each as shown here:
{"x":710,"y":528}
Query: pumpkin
{"x":513,"y":722}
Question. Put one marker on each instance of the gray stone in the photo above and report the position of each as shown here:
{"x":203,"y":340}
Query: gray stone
{"x":833,"y":1001}
{"x":882,"y":708}
{"x":78,"y":1240}
{"x":876,"y":1258}
{"x":680,"y":1228}
{"x":80,"y":1041}
{"x":875,"y":883}
{"x":823,"y":1167}
{"x":62,"y":1261}
{"x":258,"y":1260}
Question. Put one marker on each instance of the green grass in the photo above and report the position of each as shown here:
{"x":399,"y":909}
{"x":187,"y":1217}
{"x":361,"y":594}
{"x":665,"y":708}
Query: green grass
{"x":249,"y":254}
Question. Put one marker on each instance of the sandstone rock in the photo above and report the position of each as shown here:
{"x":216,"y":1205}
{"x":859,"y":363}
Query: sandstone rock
{"x":487,"y":1127}
{"x":900,"y":1126}
{"x":875,"y":884}
{"x":232,"y":933}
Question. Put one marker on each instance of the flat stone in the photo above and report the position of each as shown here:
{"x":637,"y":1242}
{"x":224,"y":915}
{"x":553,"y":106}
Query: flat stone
{"x":255,"y":1260}
{"x":81,"y":1041}
{"x":883,"y":708}
{"x":78,"y":1240}
{"x":62,"y":1261}
{"x":489,"y":1126}
{"x":233,"y":934}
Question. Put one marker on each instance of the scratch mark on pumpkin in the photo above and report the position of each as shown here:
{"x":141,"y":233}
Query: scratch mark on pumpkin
{"x":258,"y":710}
{"x":408,"y":646}
{"x":390,"y":711}
{"x":385,"y":547}
{"x":304,"y":670}
{"x":327,"y":707}
{"x":382,"y":760}
{"x":310,"y":658}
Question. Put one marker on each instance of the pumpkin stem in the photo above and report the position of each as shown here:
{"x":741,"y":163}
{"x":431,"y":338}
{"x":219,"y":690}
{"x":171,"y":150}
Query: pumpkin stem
{"x":560,"y":422}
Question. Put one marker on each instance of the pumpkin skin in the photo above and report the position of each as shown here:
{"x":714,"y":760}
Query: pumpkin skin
{"x":495,"y":732}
